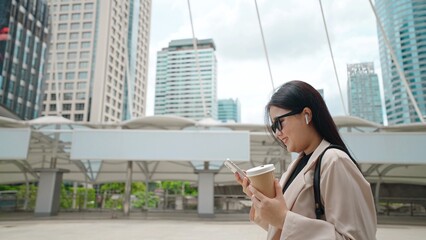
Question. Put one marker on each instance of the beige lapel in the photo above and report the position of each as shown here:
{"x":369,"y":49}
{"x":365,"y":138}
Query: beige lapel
{"x":299,"y":182}
{"x":297,"y":185}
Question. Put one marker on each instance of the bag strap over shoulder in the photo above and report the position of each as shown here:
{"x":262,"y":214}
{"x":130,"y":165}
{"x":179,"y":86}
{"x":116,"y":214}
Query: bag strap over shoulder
{"x":319,"y":207}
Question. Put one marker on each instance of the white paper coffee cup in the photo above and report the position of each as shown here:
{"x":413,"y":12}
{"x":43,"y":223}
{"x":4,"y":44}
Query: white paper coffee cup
{"x":262,"y":178}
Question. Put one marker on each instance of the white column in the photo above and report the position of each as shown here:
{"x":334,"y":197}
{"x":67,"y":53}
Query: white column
{"x":48,"y":193}
{"x":206,"y":193}
{"x":128,"y":189}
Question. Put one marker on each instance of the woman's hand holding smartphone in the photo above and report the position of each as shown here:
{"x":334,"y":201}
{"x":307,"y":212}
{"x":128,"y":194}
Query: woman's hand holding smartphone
{"x":235,"y":169}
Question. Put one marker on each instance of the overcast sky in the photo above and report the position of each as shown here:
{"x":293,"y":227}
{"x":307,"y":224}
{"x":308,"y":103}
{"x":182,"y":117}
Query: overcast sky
{"x":295,"y":39}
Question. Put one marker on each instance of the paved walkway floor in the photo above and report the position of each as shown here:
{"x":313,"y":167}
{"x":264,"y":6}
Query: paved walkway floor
{"x":95,"y":226}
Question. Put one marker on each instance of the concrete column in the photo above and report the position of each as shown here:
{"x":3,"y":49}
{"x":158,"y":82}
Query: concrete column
{"x":128,"y":189}
{"x":178,"y":202}
{"x":48,"y":193}
{"x":74,"y":195}
{"x":206,"y":193}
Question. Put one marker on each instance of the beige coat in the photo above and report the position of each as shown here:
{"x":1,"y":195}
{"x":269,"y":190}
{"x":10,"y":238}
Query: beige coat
{"x":346,"y":195}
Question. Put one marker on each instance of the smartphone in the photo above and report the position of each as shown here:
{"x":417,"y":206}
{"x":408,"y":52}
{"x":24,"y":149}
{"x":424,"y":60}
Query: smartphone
{"x":234,"y":168}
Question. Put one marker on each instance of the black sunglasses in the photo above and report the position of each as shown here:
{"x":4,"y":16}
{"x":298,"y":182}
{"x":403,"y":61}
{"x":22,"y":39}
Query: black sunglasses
{"x":276,"y":125}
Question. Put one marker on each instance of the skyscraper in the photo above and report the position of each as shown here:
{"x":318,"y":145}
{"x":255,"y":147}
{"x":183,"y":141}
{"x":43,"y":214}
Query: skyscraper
{"x":184,"y":86}
{"x":405,"y":26}
{"x":321,"y":92}
{"x":229,"y":110}
{"x":23,"y":43}
{"x":364,"y":92}
{"x":98,"y":59}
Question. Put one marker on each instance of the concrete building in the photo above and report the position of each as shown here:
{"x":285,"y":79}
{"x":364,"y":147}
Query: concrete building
{"x":404,"y":25}
{"x":229,"y":110}
{"x":98,"y":60}
{"x":364,"y":92}
{"x":181,"y":74}
{"x":23,"y":43}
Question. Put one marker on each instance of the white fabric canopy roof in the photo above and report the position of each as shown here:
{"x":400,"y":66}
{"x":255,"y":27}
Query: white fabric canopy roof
{"x":263,"y":150}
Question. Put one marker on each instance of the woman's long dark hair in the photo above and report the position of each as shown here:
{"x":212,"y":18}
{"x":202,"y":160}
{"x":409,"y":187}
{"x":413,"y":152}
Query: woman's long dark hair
{"x":296,"y":95}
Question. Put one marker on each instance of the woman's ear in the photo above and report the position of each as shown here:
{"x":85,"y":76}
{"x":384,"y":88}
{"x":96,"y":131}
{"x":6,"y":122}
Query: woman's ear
{"x":308,"y":115}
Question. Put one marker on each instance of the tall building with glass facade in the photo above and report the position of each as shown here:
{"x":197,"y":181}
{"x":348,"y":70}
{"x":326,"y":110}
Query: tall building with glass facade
{"x":23,"y":44}
{"x":183,"y":89}
{"x":229,"y":110}
{"x":98,"y":59}
{"x":364,"y":92}
{"x":404,"y":23}
{"x":321,"y":92}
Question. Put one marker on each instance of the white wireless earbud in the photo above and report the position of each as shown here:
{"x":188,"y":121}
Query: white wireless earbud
{"x":306,"y":117}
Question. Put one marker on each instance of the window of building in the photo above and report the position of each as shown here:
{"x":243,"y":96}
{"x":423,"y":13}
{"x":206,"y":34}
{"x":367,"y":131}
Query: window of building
{"x":75,"y":26}
{"x":85,"y":44}
{"x":52,"y":107}
{"x":60,"y":46}
{"x":63,"y":17}
{"x":62,"y":36}
{"x":79,"y":106}
{"x":81,"y":96}
{"x":81,"y":85}
{"x":86,"y":35}
{"x":88,"y":6}
{"x":75,"y":16}
{"x":72,"y":55}
{"x":59,"y":76}
{"x":82,"y":75}
{"x":74,"y":35}
{"x":54,"y":87}
{"x":62,"y":26}
{"x":88,"y":15}
{"x":71,"y":65}
{"x":73,"y":45}
{"x":60,"y":56}
{"x":78,"y":117}
{"x":64,"y":7}
{"x":76,"y":6}
{"x":70,"y":76}
{"x":66,"y":107}
{"x":67,"y":96}
{"x":84,"y":55}
{"x":83,"y":64}
{"x":69,"y":86}
{"x":87,"y":25}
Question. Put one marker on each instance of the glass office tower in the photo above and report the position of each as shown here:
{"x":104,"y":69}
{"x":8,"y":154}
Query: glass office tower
{"x":364,"y":92}
{"x":179,"y":90}
{"x":23,"y":44}
{"x":405,"y":25}
{"x":229,"y":110}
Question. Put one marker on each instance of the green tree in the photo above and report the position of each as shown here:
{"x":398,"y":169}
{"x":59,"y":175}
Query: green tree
{"x":32,"y":195}
{"x":143,"y":198}
{"x":138,"y":189}
{"x":177,"y":187}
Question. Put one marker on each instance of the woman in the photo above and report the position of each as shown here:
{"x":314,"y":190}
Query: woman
{"x":301,"y":122}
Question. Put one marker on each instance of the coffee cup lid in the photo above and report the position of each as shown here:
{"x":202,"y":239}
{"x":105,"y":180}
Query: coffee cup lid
{"x":260,"y":170}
